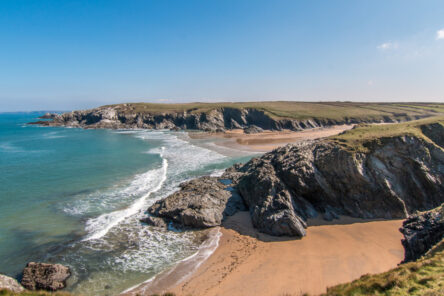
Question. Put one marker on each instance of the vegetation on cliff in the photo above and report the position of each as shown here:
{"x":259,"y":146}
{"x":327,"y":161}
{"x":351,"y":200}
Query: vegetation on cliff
{"x":362,"y":136}
{"x":295,"y":110}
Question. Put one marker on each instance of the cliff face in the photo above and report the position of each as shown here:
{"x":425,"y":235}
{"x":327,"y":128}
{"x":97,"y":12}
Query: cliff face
{"x":421,"y":232}
{"x":217,"y":119}
{"x":296,"y":182}
{"x":282,"y":189}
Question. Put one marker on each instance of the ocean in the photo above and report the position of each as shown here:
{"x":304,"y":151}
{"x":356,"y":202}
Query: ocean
{"x":75,"y":197}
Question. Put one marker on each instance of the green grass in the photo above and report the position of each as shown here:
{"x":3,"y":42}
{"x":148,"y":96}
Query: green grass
{"x":357,"y":139}
{"x":297,"y":110}
{"x":423,"y":277}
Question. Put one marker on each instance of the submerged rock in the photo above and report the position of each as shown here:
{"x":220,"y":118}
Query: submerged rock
{"x":44,"y":276}
{"x":421,"y":232}
{"x":10,"y":284}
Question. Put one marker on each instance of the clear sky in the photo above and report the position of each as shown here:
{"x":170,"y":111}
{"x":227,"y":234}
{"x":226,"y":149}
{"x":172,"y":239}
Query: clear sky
{"x":61,"y":55}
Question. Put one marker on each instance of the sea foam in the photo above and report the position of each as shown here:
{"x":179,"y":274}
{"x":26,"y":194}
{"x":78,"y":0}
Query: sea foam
{"x":98,"y":227}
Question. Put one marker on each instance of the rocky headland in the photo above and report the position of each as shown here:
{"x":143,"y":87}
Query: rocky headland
{"x":252,"y":117}
{"x":388,"y":176}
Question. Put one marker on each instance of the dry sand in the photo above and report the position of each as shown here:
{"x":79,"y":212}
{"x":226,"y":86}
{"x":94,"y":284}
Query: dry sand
{"x":267,"y":140}
{"x":250,"y":263}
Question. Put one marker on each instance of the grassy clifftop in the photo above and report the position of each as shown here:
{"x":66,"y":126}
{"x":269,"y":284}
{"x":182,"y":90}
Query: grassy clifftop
{"x":297,"y":110}
{"x":430,"y":129}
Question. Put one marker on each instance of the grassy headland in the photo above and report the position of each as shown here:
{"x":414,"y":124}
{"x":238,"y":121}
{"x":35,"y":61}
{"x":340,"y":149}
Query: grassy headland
{"x":357,"y":138}
{"x":297,"y":110}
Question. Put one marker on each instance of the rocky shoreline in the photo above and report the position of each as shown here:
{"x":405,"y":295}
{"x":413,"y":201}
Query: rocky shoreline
{"x":284,"y":188}
{"x":252,"y":120}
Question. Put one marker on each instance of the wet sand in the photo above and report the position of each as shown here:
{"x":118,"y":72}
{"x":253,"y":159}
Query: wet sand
{"x":247,"y":262}
{"x":267,"y":140}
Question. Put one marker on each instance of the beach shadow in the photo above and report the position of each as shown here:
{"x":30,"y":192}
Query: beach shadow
{"x":242,"y":224}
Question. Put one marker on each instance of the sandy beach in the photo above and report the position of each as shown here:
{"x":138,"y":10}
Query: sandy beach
{"x":266,"y":140}
{"x":247,"y":262}
{"x":239,"y":260}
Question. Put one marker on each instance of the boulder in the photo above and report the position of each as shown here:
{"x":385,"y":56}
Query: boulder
{"x":253,"y":129}
{"x":45,"y":276}
{"x":10,"y":284}
{"x":200,"y":203}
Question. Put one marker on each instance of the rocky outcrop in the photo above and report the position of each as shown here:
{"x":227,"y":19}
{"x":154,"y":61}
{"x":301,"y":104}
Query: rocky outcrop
{"x":215,"y":120}
{"x":48,"y":115}
{"x":44,"y":276}
{"x":253,"y":129}
{"x":421,"y":232}
{"x":10,"y":284}
{"x":199,"y":203}
{"x":282,"y":189}
{"x":297,"y":182}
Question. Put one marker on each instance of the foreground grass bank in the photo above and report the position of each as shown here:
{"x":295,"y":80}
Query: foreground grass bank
{"x":423,"y":277}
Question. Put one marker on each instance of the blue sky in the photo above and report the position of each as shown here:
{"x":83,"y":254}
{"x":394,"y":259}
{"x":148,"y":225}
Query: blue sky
{"x":79,"y":54}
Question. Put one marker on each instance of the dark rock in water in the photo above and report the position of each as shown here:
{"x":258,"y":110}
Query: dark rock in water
{"x":199,"y":203}
{"x":421,"y":232}
{"x":253,"y":129}
{"x":154,"y":221}
{"x":40,"y":122}
{"x":10,"y":284}
{"x":44,"y":276}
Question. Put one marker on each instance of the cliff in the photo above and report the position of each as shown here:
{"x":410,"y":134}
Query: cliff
{"x":389,"y":176}
{"x":223,"y":116}
{"x":422,"y":231}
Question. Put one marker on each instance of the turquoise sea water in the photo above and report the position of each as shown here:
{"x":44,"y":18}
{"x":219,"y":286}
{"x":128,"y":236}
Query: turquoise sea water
{"x":75,"y":196}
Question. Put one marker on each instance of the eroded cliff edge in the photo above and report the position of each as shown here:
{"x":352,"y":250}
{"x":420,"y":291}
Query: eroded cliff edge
{"x":387,"y":176}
